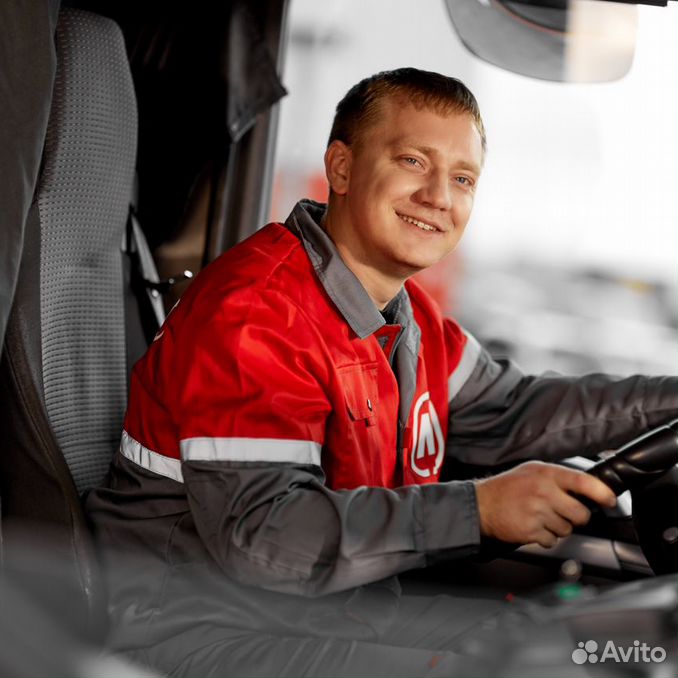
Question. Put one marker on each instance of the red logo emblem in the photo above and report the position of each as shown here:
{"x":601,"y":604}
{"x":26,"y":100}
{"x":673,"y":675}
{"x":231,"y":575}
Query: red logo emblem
{"x":428,"y":446}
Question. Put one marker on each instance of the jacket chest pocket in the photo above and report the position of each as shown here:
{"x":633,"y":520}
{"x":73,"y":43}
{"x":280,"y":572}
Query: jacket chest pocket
{"x":361,"y":392}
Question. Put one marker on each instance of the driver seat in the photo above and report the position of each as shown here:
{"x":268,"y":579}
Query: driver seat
{"x":78,"y":320}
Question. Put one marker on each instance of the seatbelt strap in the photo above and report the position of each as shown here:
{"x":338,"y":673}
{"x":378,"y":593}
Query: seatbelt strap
{"x":143,"y":269}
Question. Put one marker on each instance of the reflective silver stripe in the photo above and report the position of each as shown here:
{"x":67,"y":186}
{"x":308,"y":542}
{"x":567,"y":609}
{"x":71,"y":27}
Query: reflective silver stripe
{"x":250,"y":449}
{"x":150,"y":460}
{"x":462,"y":371}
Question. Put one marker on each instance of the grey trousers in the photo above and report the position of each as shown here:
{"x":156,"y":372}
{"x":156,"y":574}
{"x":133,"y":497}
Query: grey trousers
{"x":431,"y":636}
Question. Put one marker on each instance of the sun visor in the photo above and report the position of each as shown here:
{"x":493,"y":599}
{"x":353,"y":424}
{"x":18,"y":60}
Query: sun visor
{"x":252,"y":78}
{"x":560,"y":40}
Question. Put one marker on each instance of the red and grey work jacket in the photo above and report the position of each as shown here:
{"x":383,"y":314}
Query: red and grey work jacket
{"x":278,"y":354}
{"x":279,"y":424}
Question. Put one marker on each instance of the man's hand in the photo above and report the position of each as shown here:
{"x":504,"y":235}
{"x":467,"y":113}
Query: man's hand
{"x":533,"y":503}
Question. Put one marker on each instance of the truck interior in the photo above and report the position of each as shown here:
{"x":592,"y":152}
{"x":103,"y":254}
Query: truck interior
{"x":139,"y":146}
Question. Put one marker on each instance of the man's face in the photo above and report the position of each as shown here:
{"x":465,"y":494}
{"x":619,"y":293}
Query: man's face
{"x":407,"y":188}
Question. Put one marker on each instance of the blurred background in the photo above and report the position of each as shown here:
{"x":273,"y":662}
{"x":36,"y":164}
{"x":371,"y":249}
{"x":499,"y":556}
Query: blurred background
{"x":570,"y":261}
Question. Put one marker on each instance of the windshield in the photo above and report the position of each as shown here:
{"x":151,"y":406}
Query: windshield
{"x":569,"y":261}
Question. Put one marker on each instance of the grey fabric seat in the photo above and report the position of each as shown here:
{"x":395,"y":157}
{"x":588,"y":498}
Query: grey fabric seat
{"x":83,"y":202}
{"x":63,"y":377}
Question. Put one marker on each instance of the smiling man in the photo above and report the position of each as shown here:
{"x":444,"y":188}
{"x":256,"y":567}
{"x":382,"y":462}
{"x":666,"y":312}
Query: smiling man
{"x":402,"y":189}
{"x":287,"y":430}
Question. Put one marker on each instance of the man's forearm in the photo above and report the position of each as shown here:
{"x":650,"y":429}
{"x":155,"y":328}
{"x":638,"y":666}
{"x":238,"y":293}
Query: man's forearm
{"x":281,"y":528}
{"x":502,"y":415}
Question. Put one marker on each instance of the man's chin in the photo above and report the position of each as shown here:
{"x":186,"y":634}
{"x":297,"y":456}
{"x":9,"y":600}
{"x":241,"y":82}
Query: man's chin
{"x":408,"y":264}
{"x":413,"y":264}
{"x":407,"y":268}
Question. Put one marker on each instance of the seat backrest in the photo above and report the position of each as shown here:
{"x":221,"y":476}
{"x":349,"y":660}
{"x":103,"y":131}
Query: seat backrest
{"x":83,"y":200}
{"x":63,"y":377}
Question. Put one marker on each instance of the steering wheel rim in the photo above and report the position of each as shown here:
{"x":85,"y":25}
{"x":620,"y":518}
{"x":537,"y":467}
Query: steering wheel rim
{"x":648,"y":467}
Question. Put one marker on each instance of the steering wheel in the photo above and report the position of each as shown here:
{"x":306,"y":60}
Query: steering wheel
{"x":647,"y":466}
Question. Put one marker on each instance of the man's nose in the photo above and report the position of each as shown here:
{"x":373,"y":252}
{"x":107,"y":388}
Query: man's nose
{"x":436,"y":191}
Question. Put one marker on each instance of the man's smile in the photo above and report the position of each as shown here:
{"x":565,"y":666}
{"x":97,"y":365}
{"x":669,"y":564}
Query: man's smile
{"x":424,"y":225}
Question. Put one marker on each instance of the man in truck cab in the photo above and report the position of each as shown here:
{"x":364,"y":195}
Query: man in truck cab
{"x":287,"y":429}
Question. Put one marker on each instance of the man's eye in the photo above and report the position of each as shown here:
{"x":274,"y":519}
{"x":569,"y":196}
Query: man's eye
{"x":411,"y":161}
{"x":464,"y":181}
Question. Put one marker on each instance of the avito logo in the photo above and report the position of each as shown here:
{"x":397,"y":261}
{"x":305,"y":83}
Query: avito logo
{"x":638,"y":653}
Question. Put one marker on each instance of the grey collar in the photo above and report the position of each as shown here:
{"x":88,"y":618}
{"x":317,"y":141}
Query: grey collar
{"x":340,"y":283}
{"x":352,"y":300}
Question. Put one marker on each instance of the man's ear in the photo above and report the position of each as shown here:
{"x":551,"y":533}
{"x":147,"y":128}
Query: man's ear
{"x":338,"y":167}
